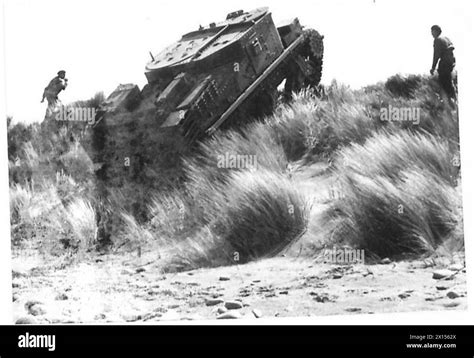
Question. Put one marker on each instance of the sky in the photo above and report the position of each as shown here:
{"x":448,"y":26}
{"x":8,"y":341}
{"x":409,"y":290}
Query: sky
{"x":103,"y":43}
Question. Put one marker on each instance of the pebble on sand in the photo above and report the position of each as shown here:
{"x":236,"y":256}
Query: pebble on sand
{"x":353,"y":309}
{"x":37,"y":310}
{"x":61,"y":297}
{"x":451,"y":304}
{"x":441,"y":274}
{"x":131,"y":317}
{"x":213,"y":301}
{"x":99,"y":317}
{"x":455,"y":294}
{"x":230,"y":315}
{"x":221,"y":310}
{"x":452,"y":294}
{"x":456,"y":267}
{"x":233,"y":305}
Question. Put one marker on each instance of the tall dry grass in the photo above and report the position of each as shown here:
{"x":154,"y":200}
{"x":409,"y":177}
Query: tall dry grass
{"x":206,"y":179}
{"x":170,"y":214}
{"x":398,"y":196}
{"x":81,"y":216}
{"x":316,"y":127}
{"x":387,"y":155}
{"x":260,"y":214}
{"x":256,"y":214}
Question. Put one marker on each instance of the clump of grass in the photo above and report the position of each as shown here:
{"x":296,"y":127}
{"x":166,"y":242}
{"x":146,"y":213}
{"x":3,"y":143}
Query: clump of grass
{"x":93,"y":102}
{"x":77,"y":163}
{"x":81,"y":217}
{"x":36,"y":205}
{"x":387,"y":155}
{"x":260,"y":214}
{"x":398,"y":196}
{"x":437,"y":116}
{"x":256,"y":214}
{"x":403,"y":86}
{"x":20,"y":173}
{"x":291,"y":124}
{"x":253,"y":140}
{"x":38,"y":218}
{"x":18,"y":134}
{"x":170,"y":214}
{"x":20,"y":198}
{"x":206,"y":176}
{"x":203,"y":249}
{"x":393,"y":220}
{"x":315,"y":127}
{"x":135,"y":235}
{"x":337,"y":92}
{"x":30,"y":154}
{"x":23,"y":166}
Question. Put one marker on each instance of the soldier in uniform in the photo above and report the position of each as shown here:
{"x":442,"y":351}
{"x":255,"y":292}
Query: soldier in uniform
{"x":56,"y":85}
{"x":443,"y":53}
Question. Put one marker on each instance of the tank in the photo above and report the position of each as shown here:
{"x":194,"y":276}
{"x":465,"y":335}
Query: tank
{"x":213,"y":74}
{"x":217,"y":77}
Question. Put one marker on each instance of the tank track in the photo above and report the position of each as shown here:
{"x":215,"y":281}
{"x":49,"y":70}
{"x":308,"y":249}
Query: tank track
{"x":313,"y":51}
{"x":262,"y":102}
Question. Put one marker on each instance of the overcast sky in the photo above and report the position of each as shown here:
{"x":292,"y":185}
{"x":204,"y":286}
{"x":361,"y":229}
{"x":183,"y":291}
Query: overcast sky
{"x":102,"y":43}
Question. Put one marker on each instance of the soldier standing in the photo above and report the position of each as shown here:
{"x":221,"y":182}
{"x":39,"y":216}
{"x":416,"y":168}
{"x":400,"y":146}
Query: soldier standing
{"x":56,"y":85}
{"x":443,"y":53}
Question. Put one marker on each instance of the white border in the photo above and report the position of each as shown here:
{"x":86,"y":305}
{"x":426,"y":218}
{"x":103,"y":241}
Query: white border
{"x":466,"y":89}
{"x":5,"y":253}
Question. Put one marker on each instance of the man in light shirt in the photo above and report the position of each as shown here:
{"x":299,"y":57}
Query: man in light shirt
{"x":443,"y":53}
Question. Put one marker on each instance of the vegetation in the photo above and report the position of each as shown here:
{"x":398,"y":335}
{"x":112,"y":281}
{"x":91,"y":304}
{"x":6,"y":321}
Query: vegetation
{"x":397,"y":182}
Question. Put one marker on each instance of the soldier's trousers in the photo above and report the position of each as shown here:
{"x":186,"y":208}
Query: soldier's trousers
{"x":52,"y":103}
{"x":445,"y":77}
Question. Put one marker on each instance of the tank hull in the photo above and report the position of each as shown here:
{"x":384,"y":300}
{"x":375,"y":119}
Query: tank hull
{"x":226,"y":77}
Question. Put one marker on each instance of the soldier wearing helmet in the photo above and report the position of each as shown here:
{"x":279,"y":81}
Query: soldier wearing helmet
{"x":55,"y":86}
